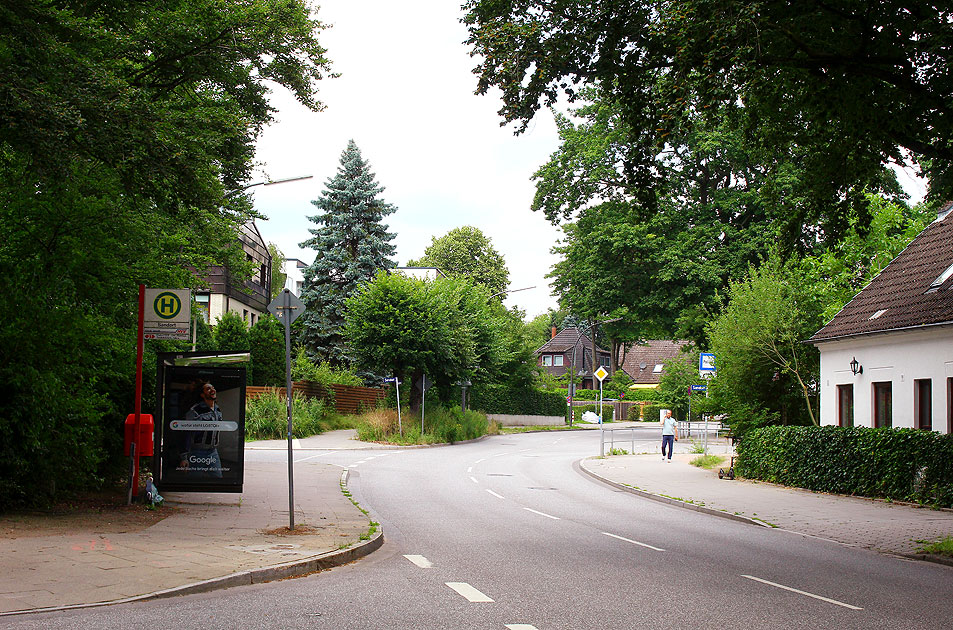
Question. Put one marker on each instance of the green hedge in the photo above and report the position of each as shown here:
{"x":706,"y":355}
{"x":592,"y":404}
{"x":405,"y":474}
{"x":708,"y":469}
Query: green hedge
{"x":651,"y":413}
{"x":897,"y":464}
{"x":516,"y":401}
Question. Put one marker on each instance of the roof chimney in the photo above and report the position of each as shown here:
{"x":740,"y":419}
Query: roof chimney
{"x":554,"y":333}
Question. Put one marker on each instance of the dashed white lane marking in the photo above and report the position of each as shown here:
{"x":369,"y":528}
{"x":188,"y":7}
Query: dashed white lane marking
{"x":498,"y":496}
{"x":634,"y":542}
{"x":470,"y":469}
{"x":467,"y":591}
{"x":474,"y":480}
{"x":525,"y":449}
{"x":480,"y":460}
{"x":555,"y":518}
{"x":805,"y":593}
{"x":520,"y":626}
{"x":304,"y":459}
{"x":420,"y":561}
{"x":501,"y":454}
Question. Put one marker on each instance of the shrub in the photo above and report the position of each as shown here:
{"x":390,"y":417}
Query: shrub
{"x":266,"y":417}
{"x":898,"y":464}
{"x":304,"y":369}
{"x":635,"y":413}
{"x":652,"y":413}
{"x":516,"y":400}
{"x":441,"y":425}
{"x":267,"y":342}
{"x":649,"y":394}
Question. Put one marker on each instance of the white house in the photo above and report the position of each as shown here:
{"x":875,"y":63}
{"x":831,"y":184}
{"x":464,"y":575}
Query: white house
{"x":294,"y":275}
{"x":887,"y":356}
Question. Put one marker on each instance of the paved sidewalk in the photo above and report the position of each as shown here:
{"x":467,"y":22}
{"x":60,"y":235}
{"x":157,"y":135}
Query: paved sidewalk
{"x":211,"y":541}
{"x":866,"y":523}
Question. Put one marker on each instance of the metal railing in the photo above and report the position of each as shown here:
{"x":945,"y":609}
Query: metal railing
{"x":611,"y":432}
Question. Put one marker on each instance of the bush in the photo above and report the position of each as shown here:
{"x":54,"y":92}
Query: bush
{"x":516,"y":401}
{"x":441,"y":425}
{"x":635,"y":413}
{"x":897,"y":464}
{"x":652,"y":413}
{"x":304,"y":369}
{"x":267,"y":342}
{"x":648,"y":394}
{"x":266,"y":417}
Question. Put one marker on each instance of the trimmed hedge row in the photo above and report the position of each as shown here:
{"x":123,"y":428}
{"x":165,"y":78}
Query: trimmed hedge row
{"x":516,"y":401}
{"x":645,"y":394}
{"x":897,"y":464}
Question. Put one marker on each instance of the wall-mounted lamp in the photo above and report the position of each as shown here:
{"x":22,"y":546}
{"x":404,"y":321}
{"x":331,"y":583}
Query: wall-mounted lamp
{"x":855,"y":367}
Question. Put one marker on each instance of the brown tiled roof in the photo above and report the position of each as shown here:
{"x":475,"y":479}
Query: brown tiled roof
{"x":902,"y":293}
{"x":653,"y":352}
{"x":565,"y":340}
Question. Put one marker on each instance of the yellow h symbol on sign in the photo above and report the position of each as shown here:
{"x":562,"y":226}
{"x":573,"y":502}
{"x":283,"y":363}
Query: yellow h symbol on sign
{"x":167,"y":305}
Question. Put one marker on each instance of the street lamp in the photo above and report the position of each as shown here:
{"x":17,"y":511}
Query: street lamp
{"x":272,"y":182}
{"x":510,"y":291}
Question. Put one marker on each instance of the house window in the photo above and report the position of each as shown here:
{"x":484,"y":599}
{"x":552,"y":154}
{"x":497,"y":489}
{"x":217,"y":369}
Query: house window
{"x":604,"y":361}
{"x":202,"y":302}
{"x":923,"y":404}
{"x":845,"y":405}
{"x":557,"y":360}
{"x":547,"y":360}
{"x":657,"y":369}
{"x":883,"y":404}
{"x":949,"y":405}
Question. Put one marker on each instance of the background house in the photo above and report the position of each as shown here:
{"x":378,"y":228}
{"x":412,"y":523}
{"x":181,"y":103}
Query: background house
{"x":571,"y":348}
{"x":887,"y":356}
{"x":294,"y":275}
{"x":645,"y":363}
{"x":248,"y":298}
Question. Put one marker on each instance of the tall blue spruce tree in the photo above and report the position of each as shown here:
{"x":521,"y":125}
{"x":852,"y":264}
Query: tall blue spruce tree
{"x":351,"y":245}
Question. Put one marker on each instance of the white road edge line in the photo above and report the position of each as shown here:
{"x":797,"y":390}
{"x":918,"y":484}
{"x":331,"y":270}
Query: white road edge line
{"x":520,"y":626}
{"x":555,"y":518}
{"x":805,"y":593}
{"x":470,"y":469}
{"x":474,"y":480}
{"x":420,"y":561}
{"x":498,"y":496}
{"x":467,"y":591}
{"x":634,"y":542}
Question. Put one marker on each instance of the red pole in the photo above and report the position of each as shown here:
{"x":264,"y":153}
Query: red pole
{"x":138,"y":402}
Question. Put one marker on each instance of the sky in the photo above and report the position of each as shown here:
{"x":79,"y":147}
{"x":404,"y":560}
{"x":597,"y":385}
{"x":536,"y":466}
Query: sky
{"x":406,"y":97}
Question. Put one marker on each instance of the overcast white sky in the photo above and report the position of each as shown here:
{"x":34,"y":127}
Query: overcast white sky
{"x":406,"y":97}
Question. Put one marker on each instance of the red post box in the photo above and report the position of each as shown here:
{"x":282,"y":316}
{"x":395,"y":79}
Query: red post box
{"x":144,"y":443}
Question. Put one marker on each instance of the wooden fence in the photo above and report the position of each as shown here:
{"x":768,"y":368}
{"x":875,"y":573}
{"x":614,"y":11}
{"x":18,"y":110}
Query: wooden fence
{"x":347,"y":398}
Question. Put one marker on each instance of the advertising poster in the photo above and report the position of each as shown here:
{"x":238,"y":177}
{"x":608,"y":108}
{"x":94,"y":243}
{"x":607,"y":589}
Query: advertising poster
{"x":203,"y":429}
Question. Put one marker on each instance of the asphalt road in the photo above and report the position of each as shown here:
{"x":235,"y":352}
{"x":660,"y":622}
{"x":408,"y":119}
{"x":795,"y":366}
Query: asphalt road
{"x":504,"y":533}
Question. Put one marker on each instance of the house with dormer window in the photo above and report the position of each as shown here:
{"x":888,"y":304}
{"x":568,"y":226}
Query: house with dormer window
{"x":887,"y":356}
{"x":572,"y":349}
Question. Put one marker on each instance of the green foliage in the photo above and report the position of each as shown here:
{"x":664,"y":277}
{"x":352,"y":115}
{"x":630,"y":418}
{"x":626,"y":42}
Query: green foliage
{"x":446,"y":328}
{"x":765,"y":373}
{"x":467,"y":252}
{"x":617,"y":386}
{"x":266,"y":340}
{"x":442,"y":425}
{"x":231,"y":335}
{"x":708,"y":462}
{"x":674,"y":386}
{"x":650,"y":394}
{"x":351,"y":245}
{"x":266,"y":417}
{"x":126,"y":135}
{"x":897,"y":464}
{"x":942,"y":547}
{"x":304,"y":369}
{"x":517,"y":401}
{"x":653,"y":413}
{"x":278,"y":276}
{"x":772,"y":67}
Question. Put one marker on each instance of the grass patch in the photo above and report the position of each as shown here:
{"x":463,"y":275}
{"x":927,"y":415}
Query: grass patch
{"x":708,"y":462}
{"x":266,"y":417}
{"x":441,"y":426}
{"x":943,"y":547}
{"x":618,"y":451}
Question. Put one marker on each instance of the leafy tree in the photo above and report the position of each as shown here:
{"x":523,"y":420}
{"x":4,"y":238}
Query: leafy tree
{"x":836,"y":83}
{"x":231,"y":335}
{"x":406,"y":327}
{"x":266,"y":339}
{"x":126,"y":134}
{"x":675,"y":384}
{"x":765,"y":374}
{"x":278,"y":275}
{"x":351,"y":245}
{"x":467,"y":252}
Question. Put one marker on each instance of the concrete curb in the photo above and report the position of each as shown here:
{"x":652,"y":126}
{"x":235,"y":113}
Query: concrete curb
{"x":655,"y":497}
